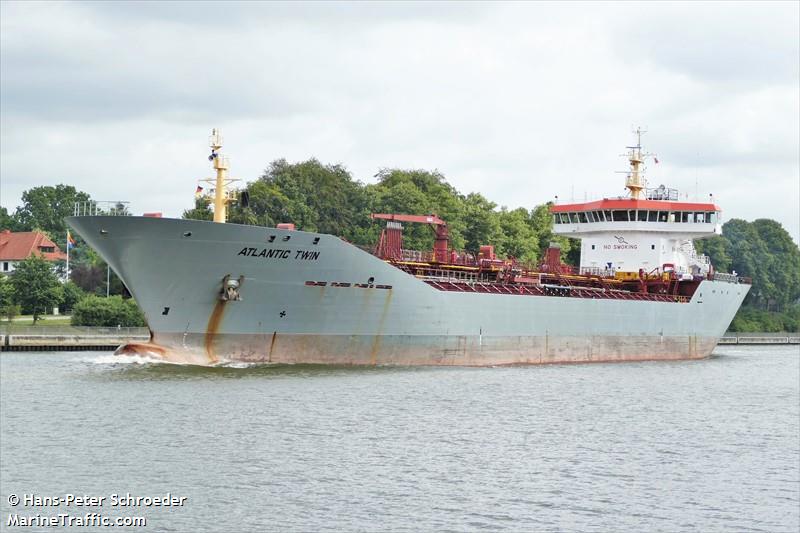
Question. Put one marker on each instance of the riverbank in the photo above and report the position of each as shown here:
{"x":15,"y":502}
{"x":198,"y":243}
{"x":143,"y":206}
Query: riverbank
{"x":68,"y":338}
{"x":77,"y":338}
{"x":760,"y":338}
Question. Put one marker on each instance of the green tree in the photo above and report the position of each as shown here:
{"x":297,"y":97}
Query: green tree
{"x":7,"y":221}
{"x":36,"y":287}
{"x":201,"y":210}
{"x":718,"y":249}
{"x":518,"y":239}
{"x":45,"y":207}
{"x":482,"y":225}
{"x":109,"y":312}
{"x":8,"y":307}
{"x":750,"y":258}
{"x":72,"y":295}
{"x":783,"y":266}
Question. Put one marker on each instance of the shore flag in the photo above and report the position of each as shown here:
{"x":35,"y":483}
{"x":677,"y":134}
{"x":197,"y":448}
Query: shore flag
{"x":655,"y":159}
{"x":198,"y":191}
{"x":70,"y":241}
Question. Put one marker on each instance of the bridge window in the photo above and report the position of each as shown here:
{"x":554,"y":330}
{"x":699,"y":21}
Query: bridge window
{"x":652,"y":216}
{"x":674,"y":216}
{"x":698,"y":217}
{"x":564,"y":218}
{"x":608,"y":216}
{"x":685,"y":216}
{"x":573,"y":218}
{"x":663,"y":216}
{"x":632,"y":215}
{"x":556,"y":218}
{"x":620,"y":216}
{"x":642,"y":215}
{"x":600,"y":216}
{"x":582,"y":217}
{"x":708,"y":218}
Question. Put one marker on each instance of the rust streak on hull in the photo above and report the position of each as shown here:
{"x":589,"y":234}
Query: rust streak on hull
{"x":212,"y":329}
{"x":272,"y":346}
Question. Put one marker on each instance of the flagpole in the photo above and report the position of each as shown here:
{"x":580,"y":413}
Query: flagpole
{"x":67,"y":255}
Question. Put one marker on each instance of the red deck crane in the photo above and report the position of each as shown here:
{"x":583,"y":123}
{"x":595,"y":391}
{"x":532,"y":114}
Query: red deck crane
{"x":391,"y":242}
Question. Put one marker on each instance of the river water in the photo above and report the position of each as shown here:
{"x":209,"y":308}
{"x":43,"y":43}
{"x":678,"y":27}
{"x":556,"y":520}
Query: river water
{"x":710,"y":445}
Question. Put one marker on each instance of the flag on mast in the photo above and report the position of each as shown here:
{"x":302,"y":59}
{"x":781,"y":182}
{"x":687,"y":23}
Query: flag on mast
{"x":198,"y":191}
{"x":70,"y":245}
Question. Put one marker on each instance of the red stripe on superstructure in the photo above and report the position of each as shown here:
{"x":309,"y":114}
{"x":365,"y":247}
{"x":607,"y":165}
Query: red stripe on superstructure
{"x":628,"y":203}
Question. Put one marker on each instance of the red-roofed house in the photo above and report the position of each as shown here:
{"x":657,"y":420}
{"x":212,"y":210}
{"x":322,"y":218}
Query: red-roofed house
{"x":15,"y":247}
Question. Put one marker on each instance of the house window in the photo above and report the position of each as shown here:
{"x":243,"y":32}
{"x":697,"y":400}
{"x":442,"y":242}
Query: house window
{"x":47,"y":249}
{"x":5,"y":266}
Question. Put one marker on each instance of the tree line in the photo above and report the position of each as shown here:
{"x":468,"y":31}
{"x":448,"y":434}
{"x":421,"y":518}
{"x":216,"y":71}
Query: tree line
{"x":764,"y":251}
{"x":325,"y":198}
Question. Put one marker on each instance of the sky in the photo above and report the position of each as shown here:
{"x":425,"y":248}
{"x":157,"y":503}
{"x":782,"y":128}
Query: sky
{"x":521,"y":102}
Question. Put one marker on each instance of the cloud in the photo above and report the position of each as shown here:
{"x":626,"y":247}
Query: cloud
{"x":520,"y":102}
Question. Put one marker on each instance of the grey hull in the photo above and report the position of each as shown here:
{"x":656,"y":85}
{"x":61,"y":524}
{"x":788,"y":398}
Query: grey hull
{"x":369,"y":312}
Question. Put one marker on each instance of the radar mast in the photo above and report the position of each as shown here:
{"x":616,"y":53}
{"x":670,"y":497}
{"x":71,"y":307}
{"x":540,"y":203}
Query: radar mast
{"x":635,"y":181}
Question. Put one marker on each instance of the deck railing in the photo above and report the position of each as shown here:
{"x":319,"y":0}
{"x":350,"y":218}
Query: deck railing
{"x":92,"y":208}
{"x":732,"y":278}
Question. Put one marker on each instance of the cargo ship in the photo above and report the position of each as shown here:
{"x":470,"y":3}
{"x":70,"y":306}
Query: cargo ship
{"x":216,"y":292}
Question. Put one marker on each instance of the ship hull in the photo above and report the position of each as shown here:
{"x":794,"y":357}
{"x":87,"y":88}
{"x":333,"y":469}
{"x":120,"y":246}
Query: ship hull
{"x":313,"y":298}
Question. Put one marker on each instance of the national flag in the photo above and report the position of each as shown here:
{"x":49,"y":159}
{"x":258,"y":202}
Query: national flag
{"x":198,"y":191}
{"x":70,"y":241}
{"x":655,"y":159}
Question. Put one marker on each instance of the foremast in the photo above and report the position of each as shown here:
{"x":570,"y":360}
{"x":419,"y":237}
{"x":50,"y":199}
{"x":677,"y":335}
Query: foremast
{"x":221,"y":164}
